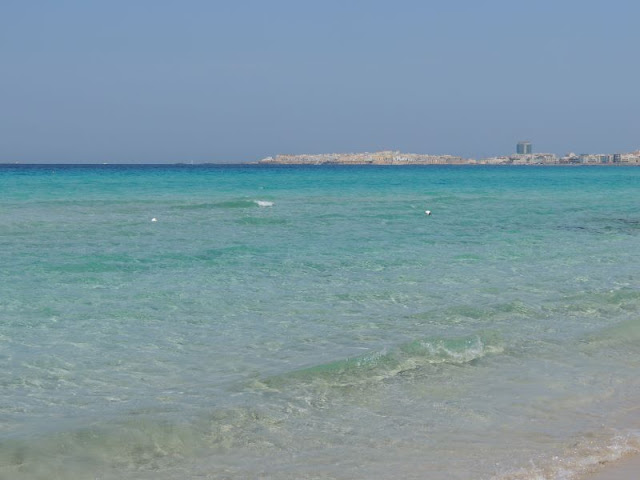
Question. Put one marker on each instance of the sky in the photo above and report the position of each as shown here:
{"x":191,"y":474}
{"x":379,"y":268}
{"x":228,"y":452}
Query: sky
{"x":158,"y":81}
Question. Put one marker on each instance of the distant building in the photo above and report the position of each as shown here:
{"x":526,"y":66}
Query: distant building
{"x":523,"y":148}
{"x":617,"y":158}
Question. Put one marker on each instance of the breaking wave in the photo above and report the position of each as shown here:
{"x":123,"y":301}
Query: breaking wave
{"x":226,"y":204}
{"x":387,"y":363}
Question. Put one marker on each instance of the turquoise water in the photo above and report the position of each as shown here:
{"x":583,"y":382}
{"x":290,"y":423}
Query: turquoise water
{"x":314,"y":323}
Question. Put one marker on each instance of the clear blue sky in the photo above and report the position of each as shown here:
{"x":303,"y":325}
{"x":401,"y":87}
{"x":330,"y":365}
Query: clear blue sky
{"x":156,"y":81}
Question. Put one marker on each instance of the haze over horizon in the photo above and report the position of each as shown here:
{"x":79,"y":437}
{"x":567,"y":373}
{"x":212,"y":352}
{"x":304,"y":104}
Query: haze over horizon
{"x":167,"y":82}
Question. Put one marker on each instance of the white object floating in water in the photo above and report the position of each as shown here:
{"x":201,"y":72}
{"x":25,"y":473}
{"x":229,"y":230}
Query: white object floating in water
{"x":264,"y":203}
{"x":154,"y":219}
{"x":427,"y":212}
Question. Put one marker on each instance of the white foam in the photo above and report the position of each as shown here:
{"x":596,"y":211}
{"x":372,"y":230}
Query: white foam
{"x":264,"y":203}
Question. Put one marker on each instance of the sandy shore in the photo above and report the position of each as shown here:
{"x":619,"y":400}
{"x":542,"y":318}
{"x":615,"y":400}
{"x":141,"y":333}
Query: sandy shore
{"x":627,"y":468}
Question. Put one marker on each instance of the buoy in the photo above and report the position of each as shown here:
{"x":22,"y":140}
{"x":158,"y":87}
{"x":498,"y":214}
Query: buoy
{"x":154,"y":219}
{"x":427,"y":212}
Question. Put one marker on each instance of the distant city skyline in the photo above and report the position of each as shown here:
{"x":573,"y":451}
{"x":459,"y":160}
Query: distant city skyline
{"x":523,"y":156}
{"x":523,"y":150}
{"x":167,"y":82}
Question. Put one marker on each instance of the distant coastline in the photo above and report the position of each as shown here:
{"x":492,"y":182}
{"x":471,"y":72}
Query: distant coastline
{"x":389,"y":157}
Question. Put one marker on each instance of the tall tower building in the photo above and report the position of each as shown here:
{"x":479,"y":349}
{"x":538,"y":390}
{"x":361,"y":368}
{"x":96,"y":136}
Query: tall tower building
{"x":523,"y":147}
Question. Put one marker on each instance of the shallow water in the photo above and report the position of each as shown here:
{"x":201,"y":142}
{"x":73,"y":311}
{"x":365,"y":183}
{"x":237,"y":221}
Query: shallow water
{"x":313,"y":322}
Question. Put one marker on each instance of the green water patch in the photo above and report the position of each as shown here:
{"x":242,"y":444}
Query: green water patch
{"x":625,"y":298}
{"x":227,"y":254}
{"x":98,"y":263}
{"x":125,"y":447}
{"x":332,"y":216}
{"x":105,"y":263}
{"x":485,"y":314}
{"x":261,"y":221}
{"x":468,"y":258}
{"x":606,"y":226}
{"x":622,"y":338}
{"x":629,"y":225}
{"x":605,"y":304}
{"x":609,"y":320}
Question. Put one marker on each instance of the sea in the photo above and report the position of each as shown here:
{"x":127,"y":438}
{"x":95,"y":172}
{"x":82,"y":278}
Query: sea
{"x":313,"y":322}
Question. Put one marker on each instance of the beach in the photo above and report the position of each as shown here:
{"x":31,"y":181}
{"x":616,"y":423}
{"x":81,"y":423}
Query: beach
{"x":312,"y":322}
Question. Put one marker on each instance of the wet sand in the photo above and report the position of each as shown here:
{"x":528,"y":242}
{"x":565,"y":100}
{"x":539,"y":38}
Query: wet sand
{"x":627,"y":468}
